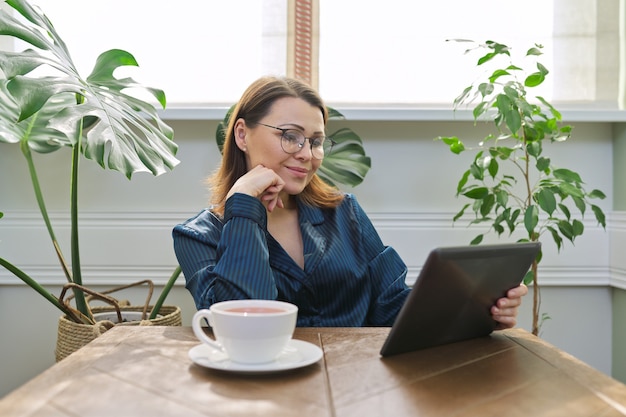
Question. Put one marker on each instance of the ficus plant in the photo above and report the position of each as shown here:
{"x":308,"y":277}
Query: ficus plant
{"x":510,"y":183}
{"x":46,"y":106}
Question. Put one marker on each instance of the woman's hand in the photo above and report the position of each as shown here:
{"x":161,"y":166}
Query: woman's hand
{"x":262,"y":183}
{"x":506,"y":308}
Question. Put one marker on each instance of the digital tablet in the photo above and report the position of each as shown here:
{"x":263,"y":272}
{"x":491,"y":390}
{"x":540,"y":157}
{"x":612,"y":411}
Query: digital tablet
{"x":454,"y":292}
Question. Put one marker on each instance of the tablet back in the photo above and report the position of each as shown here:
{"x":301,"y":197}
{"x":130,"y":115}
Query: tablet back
{"x":454,"y":292}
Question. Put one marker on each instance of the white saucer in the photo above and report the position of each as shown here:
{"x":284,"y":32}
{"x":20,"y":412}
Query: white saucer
{"x":297,"y":354}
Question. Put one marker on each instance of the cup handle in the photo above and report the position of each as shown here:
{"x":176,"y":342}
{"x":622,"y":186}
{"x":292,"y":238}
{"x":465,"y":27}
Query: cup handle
{"x":196,"y":324}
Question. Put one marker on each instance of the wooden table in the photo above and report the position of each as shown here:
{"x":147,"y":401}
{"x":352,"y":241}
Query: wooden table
{"x":145,"y":371}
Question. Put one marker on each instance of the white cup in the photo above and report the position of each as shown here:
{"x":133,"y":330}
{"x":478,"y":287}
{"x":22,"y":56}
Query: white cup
{"x":248,"y":331}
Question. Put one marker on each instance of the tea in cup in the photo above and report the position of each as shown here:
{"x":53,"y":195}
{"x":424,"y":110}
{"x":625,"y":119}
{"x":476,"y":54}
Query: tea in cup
{"x":248,"y":331}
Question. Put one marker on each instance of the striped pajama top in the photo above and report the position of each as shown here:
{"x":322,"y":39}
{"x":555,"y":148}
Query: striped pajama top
{"x":350,"y":278}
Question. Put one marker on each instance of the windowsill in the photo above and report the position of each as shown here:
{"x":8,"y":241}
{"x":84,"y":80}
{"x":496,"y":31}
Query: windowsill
{"x":570,"y":112}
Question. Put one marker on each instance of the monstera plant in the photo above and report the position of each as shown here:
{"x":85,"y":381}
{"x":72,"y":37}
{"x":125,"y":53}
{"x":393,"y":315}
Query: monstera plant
{"x":46,"y":106}
{"x":510,"y":183}
{"x":347,"y":163}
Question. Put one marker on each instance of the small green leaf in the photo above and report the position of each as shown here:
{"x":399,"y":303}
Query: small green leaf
{"x":477,"y":240}
{"x":493,"y":167}
{"x":462,"y":182}
{"x":512,"y":225}
{"x":529,"y":278}
{"x":567,"y":175}
{"x":479,"y":110}
{"x":477,"y":193}
{"x":555,"y":237}
{"x":597,"y":194}
{"x":546,"y":200}
{"x":460,"y":213}
{"x":543,"y":164}
{"x":502,"y":198}
{"x":566,"y":230}
{"x":511,"y":93}
{"x":580,"y":204}
{"x":463,"y":96}
{"x":456,"y":146}
{"x":578,"y":228}
{"x":448,"y":140}
{"x":485,"y":58}
{"x":534,"y":148}
{"x":565,"y":211}
{"x":555,"y":112}
{"x":569,"y":190}
{"x":485,"y":89}
{"x":497,"y":74}
{"x":488,"y":203}
{"x":531,"y":219}
{"x":543,"y":70}
{"x":535,"y":79}
{"x":477,"y":171}
{"x":503,"y":152}
{"x":597,"y":211}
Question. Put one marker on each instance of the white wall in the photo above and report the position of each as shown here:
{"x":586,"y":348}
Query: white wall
{"x":409,"y":194}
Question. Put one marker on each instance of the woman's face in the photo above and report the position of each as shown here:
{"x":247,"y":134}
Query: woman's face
{"x":262,"y":144}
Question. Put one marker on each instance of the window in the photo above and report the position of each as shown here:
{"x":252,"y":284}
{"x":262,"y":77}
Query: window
{"x":396,"y":51}
{"x":371,"y":52}
{"x":197,"y":51}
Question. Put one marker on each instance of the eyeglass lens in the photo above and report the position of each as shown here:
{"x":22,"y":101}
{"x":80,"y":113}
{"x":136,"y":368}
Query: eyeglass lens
{"x":293,"y":141}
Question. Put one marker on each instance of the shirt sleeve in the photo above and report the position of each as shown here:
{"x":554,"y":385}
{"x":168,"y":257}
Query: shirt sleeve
{"x":387,"y":272}
{"x":229,"y":259}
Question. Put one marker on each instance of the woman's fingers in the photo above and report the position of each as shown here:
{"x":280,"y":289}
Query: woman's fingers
{"x":272,"y":200}
{"x":262,"y":183}
{"x":506,"y":309}
{"x":272,"y":196}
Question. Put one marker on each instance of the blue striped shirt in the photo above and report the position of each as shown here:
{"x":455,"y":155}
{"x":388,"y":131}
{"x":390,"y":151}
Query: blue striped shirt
{"x":350,"y":278}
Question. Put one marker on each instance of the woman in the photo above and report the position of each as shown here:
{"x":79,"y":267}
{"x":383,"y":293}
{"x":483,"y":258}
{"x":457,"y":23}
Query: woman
{"x":277,"y":231}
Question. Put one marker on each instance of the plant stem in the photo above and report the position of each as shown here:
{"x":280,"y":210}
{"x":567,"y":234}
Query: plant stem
{"x":79,"y":295}
{"x":42,"y":205}
{"x":536,"y":298}
{"x":532,"y":237}
{"x":37,"y":287}
{"x":164,"y":293}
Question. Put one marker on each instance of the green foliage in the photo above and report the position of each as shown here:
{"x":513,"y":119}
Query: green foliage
{"x":96,"y":117}
{"x":347,"y":163}
{"x":121,"y":132}
{"x":511,"y":184}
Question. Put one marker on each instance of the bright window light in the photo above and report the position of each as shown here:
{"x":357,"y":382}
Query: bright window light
{"x":371,"y":52}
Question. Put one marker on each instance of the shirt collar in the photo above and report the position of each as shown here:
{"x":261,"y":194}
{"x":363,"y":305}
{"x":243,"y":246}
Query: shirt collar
{"x":309,"y":213}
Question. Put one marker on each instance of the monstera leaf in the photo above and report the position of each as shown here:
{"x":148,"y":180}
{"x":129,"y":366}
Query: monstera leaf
{"x":121,"y":132}
{"x":34,"y":130}
{"x":347,"y":163}
{"x":45,"y":105}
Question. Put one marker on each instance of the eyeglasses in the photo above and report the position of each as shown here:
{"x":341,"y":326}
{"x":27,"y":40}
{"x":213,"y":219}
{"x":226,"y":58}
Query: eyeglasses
{"x":292,"y":141}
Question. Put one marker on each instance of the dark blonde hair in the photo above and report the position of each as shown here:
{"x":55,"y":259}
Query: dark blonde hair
{"x":255,"y":103}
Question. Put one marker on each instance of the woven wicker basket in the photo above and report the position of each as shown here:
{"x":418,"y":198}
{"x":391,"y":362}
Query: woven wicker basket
{"x":72,"y":336}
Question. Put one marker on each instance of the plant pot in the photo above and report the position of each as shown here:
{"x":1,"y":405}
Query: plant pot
{"x":71,"y":336}
{"x":127,"y":316}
